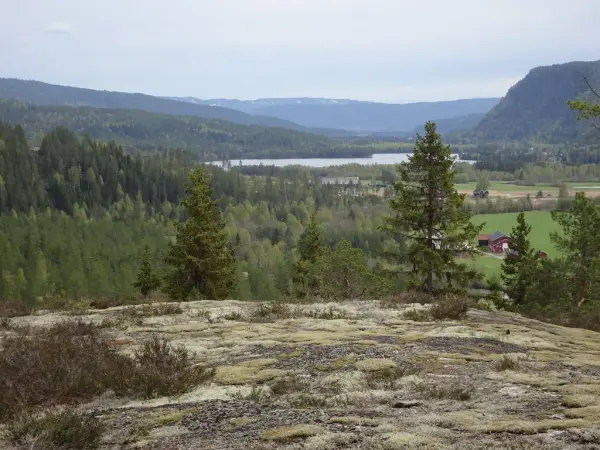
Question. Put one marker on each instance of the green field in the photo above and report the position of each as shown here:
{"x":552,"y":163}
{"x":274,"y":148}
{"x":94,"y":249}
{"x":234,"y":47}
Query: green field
{"x":541,"y":226}
{"x":501,"y":186}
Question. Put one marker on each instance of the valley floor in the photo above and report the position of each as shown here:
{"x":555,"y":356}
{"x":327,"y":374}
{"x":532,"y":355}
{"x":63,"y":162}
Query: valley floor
{"x":359,"y":375}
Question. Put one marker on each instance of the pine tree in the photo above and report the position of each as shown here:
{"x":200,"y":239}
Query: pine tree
{"x":310,"y":245}
{"x":431,"y":218}
{"x":147,"y":280}
{"x":579,"y":243}
{"x":517,"y":267}
{"x":201,"y":258}
{"x":310,"y":248}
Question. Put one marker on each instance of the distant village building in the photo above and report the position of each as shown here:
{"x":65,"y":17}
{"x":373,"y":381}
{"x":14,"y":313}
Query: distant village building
{"x":497,"y":242}
{"x":481,"y":193}
{"x":340,"y":180}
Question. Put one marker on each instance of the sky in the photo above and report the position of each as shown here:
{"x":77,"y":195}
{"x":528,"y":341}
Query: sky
{"x":378,"y":50}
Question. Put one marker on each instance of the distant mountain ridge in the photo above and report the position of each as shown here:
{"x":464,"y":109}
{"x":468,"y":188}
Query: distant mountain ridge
{"x":40,"y":93}
{"x":536,"y":107}
{"x":359,"y":117}
{"x":252,"y":106}
{"x":328,"y":117}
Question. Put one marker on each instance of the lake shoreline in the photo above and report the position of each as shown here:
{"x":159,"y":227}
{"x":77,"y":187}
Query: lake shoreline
{"x":375,"y":159}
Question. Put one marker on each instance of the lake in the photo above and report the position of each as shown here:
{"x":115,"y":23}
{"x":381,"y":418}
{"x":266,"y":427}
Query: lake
{"x":377,"y":158}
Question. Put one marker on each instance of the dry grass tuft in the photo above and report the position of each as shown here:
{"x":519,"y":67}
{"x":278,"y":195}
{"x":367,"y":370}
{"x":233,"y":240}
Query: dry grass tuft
{"x":448,"y":392}
{"x":506,"y":363}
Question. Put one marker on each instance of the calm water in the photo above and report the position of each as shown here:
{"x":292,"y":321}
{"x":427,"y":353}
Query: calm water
{"x":377,"y":158}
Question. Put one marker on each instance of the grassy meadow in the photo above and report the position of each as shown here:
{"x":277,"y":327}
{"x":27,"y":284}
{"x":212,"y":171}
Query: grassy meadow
{"x":508,"y":187}
{"x":541,"y":226}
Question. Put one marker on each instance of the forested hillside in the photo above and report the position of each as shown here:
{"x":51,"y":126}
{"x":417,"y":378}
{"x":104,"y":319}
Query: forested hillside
{"x":76,"y":214}
{"x":536,"y":107}
{"x":205,"y":138}
{"x":40,"y":93}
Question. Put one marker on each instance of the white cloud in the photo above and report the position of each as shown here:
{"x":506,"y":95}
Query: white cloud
{"x":58,"y":28}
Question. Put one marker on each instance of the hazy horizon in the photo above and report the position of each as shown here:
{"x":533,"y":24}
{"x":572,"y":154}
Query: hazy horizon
{"x":389,"y":51}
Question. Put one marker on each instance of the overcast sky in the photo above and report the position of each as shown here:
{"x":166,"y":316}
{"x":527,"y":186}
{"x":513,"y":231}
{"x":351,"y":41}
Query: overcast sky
{"x":382,"y":50}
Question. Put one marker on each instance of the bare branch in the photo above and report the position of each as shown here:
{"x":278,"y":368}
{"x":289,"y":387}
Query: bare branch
{"x":593,"y":91}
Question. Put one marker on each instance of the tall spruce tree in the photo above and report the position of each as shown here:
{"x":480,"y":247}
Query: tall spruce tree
{"x":430,"y":217}
{"x":147,"y":280}
{"x":310,"y":249}
{"x":201,"y":258}
{"x":579,"y":243}
{"x":518,"y":266}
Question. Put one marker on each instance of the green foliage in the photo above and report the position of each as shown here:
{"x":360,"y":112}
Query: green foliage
{"x":305,"y":276}
{"x":147,"y":280}
{"x":46,"y":253}
{"x":429,"y":215}
{"x":580,"y":245}
{"x":343,"y":274}
{"x":201,"y":259}
{"x":483,"y":182}
{"x":517,"y":267}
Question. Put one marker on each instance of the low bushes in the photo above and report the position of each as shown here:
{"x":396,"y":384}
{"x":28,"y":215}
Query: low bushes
{"x":74,"y":361}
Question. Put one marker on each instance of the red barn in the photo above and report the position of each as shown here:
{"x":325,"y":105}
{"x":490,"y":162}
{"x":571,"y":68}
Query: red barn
{"x":498,"y":242}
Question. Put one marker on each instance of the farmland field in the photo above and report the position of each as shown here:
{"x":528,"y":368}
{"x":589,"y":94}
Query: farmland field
{"x":541,"y":226}
{"x":497,"y":187}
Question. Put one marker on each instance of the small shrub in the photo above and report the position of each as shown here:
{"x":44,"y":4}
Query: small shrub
{"x":327,"y":314}
{"x":111,"y":302}
{"x":406,"y":298}
{"x":450,"y":307}
{"x":166,"y":309}
{"x":74,"y":361}
{"x":417,"y":315}
{"x":58,"y":365}
{"x":234,"y":315}
{"x":56,"y":430}
{"x":116,"y":322}
{"x":308,"y":401}
{"x":160,"y":309}
{"x":203,"y":314}
{"x":388,"y":377}
{"x":289,"y":385}
{"x":60,"y":302}
{"x":6,"y":323}
{"x":271,"y":311}
{"x":257,"y":395}
{"x":506,"y":363}
{"x":162,"y":369}
{"x":10,"y":308}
